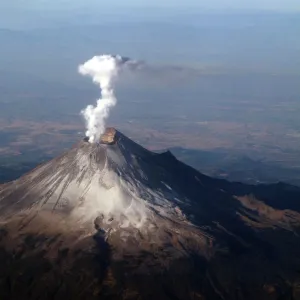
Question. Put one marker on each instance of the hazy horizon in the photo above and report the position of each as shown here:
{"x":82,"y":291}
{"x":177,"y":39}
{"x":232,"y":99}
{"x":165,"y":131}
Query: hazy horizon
{"x":222,"y":78}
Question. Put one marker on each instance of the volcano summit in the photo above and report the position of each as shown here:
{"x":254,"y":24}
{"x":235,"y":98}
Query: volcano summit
{"x":114,"y":220}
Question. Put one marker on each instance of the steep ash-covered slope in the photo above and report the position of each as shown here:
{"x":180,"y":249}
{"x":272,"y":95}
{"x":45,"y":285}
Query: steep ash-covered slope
{"x":114,"y":220}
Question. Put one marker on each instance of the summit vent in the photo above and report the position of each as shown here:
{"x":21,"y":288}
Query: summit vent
{"x":109,"y":137}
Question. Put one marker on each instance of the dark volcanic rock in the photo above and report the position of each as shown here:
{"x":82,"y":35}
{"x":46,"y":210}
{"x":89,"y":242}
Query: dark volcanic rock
{"x":115,"y":221}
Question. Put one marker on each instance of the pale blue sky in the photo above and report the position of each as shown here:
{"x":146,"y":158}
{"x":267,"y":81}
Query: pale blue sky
{"x":277,"y":5}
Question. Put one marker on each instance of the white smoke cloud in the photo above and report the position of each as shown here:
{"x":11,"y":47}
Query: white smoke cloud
{"x":104,"y":70}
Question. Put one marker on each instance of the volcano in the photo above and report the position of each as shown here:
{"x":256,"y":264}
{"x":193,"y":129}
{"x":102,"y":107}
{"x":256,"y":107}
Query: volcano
{"x":112,"y":220}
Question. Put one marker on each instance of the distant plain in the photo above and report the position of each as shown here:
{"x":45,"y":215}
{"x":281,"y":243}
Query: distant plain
{"x":224,"y":83}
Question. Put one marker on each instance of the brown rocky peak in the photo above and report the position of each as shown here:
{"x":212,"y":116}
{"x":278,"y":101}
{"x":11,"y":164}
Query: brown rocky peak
{"x":109,"y":136}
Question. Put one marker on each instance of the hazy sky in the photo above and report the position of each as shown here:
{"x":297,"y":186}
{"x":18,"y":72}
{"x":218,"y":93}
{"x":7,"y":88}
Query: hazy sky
{"x":278,"y":5}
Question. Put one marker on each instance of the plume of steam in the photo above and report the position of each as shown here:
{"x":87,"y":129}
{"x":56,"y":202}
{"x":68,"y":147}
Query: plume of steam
{"x":104,"y":70}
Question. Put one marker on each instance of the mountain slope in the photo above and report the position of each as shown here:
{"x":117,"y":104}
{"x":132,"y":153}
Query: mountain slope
{"x":117,"y":221}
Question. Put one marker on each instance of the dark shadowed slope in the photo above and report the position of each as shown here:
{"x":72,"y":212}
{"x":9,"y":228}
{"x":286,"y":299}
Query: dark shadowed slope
{"x":117,"y":221}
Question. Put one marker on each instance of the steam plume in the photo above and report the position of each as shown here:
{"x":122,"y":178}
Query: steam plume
{"x":104,"y":70}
